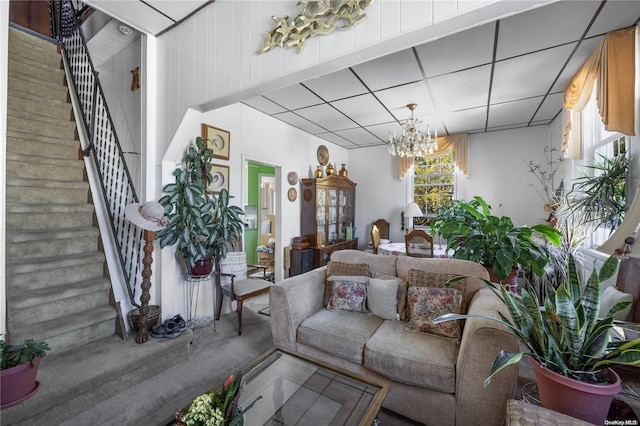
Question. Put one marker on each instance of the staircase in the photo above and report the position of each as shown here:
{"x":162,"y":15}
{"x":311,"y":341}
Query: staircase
{"x":55,"y":283}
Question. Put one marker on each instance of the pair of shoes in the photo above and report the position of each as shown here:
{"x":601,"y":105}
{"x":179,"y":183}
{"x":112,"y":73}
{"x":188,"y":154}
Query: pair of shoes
{"x":180,"y":322}
{"x":168,"y":329}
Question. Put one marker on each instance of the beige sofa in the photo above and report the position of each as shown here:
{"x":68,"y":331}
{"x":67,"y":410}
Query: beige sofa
{"x":432,"y":380}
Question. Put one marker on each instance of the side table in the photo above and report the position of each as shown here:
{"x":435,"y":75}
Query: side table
{"x":193,"y":290}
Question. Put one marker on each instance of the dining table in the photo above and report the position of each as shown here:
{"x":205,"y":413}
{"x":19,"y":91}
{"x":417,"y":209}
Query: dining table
{"x":399,"y":249}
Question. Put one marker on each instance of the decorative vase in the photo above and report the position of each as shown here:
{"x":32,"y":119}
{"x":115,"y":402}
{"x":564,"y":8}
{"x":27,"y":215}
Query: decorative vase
{"x":343,"y":171}
{"x":17,"y":384}
{"x":319,"y":172}
{"x":585,"y":401}
{"x":330,"y":169}
{"x":510,"y":282}
{"x":202,"y":268}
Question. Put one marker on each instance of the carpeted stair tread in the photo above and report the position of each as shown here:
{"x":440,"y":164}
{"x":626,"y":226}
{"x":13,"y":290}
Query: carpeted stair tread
{"x":43,"y":243}
{"x":44,"y":183}
{"x":62,"y":129}
{"x":70,"y":331}
{"x":28,"y":79}
{"x":30,"y":298}
{"x":42,"y":161}
{"x":38,"y":119}
{"x":100,"y":370}
{"x":46,"y":91}
{"x":46,"y":103}
{"x":27,"y":235}
{"x":45,"y":216}
{"x":26,"y":266}
{"x":48,"y":208}
{"x":22,"y":68}
{"x":18,"y":36}
{"x":51,"y":303}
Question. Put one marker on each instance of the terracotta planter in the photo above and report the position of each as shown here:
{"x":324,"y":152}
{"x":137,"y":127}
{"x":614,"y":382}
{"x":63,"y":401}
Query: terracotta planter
{"x":511,"y":282}
{"x":585,"y":401}
{"x":202,"y":268}
{"x":17,"y":384}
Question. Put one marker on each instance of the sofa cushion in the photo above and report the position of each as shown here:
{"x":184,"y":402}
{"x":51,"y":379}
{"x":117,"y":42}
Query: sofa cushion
{"x":422,"y":360}
{"x":339,"y":333}
{"x":418,"y":278}
{"x":348,"y":293}
{"x":378,"y":263}
{"x":382,"y":297}
{"x":446,"y":266}
{"x":342,"y":268}
{"x":426,"y":304}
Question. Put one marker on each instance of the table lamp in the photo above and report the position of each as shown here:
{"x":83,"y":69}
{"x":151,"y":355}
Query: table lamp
{"x":410,"y":212}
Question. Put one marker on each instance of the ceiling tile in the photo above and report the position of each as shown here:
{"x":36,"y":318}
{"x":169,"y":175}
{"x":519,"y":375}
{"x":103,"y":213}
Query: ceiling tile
{"x":578,"y":58}
{"x":364,"y":110}
{"x":264,"y":105}
{"x":359,"y":136}
{"x":462,"y":121}
{"x":337,"y":85}
{"x":299,"y":122}
{"x":461,"y":90}
{"x":551,"y":106}
{"x":293,"y":97}
{"x":528,"y":75}
{"x":399,"y":68}
{"x":518,"y":112}
{"x":615,"y":15}
{"x":544,"y":27}
{"x":327,"y":117}
{"x":134,"y":13}
{"x":397,"y":98}
{"x":381,"y":131}
{"x":459,"y":51}
{"x":331,"y":137}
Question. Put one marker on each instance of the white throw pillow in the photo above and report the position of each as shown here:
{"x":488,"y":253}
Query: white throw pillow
{"x":382,"y":297}
{"x":610,"y":296}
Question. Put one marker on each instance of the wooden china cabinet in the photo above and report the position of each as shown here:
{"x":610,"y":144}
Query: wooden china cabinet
{"x":328,"y":210}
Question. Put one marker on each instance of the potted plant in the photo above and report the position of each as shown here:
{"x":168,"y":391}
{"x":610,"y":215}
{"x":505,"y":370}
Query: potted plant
{"x":189,"y":209}
{"x":495,"y":242}
{"x":18,"y":370}
{"x":568,"y":342}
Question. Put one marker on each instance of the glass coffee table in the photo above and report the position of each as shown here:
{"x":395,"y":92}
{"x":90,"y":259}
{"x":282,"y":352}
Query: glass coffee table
{"x":284,"y":388}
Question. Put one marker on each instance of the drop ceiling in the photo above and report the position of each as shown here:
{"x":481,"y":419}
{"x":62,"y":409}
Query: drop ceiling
{"x":505,"y":74}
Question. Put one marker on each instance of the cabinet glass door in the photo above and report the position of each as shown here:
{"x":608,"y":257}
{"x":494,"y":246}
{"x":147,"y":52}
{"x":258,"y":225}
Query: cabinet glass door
{"x":321,"y":216}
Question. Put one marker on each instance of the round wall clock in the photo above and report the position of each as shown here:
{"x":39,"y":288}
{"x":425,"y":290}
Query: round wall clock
{"x":292,"y":177}
{"x":292,"y":194}
{"x":323,"y":155}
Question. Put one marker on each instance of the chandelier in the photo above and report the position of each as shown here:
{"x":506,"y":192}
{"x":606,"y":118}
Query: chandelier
{"x":413,"y":142}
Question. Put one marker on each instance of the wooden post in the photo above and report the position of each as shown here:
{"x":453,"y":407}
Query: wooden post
{"x":142,"y":335}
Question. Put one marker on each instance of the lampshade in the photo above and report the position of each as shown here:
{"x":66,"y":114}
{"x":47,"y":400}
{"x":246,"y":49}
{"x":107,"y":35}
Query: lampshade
{"x":627,"y":233}
{"x":412,"y":210}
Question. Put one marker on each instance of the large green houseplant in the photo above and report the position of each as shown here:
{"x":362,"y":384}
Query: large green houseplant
{"x":495,"y":242}
{"x":202,"y":225}
{"x":567,"y":337}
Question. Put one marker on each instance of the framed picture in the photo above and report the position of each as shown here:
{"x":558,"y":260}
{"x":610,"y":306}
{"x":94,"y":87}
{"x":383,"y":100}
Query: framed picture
{"x":220,"y":178}
{"x":218,"y":140}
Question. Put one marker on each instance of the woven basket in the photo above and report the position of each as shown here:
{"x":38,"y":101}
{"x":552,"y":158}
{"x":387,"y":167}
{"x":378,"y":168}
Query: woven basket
{"x":152,"y":317}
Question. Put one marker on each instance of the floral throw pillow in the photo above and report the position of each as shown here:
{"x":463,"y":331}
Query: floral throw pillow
{"x":428,"y":303}
{"x":348,"y":293}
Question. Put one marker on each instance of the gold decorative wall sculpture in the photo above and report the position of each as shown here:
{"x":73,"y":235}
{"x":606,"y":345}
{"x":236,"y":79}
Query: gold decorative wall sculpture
{"x":318,"y":17}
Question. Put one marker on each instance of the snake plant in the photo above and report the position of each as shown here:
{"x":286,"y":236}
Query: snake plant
{"x":565,"y":335}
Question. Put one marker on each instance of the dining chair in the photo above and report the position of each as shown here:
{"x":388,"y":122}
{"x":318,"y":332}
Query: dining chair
{"x":383,"y":228}
{"x":238,"y":287}
{"x":418,"y":244}
{"x":375,"y":238}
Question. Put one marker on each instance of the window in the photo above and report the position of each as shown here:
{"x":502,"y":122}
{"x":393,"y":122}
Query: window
{"x":603,"y":151}
{"x":433,"y":184}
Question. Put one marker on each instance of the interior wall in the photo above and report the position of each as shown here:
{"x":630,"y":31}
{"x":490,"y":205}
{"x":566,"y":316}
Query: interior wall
{"x":500,"y":175}
{"x":254,"y":137}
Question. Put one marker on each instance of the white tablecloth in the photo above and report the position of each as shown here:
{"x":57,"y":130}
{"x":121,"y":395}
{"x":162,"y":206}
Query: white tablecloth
{"x":399,"y":249}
